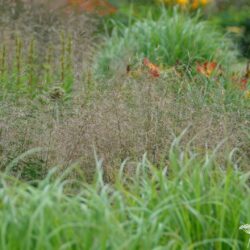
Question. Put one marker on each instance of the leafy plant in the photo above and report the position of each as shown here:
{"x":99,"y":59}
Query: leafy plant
{"x":190,"y":203}
{"x":172,"y":39}
{"x":246,"y":229}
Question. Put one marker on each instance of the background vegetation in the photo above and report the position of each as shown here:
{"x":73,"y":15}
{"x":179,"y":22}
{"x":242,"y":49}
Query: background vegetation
{"x":93,"y":100}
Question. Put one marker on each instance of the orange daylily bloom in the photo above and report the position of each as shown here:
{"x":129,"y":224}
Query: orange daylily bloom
{"x":246,"y":78}
{"x":240,"y":82}
{"x":195,"y":4}
{"x":243,"y":84}
{"x":153,"y":69}
{"x":206,"y":68}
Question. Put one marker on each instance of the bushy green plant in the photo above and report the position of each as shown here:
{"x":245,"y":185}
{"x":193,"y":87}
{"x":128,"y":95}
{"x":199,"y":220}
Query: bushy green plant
{"x":174,"y":38}
{"x":236,"y":22}
{"x":192,"y":203}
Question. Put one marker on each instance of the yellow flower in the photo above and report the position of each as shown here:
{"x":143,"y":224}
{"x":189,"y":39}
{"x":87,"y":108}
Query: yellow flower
{"x":247,"y":94}
{"x":204,"y":2}
{"x":182,"y":2}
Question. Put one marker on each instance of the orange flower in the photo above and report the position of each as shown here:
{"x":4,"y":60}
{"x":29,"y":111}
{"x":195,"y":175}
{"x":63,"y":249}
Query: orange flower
{"x":246,"y":78}
{"x":204,"y":2}
{"x":240,"y":82}
{"x":243,"y":84}
{"x":206,"y":68}
{"x":195,"y":4}
{"x":154,"y":70}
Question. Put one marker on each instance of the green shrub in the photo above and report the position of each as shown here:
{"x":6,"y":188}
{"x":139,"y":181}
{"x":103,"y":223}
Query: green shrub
{"x":175,"y":38}
{"x":237,"y":23}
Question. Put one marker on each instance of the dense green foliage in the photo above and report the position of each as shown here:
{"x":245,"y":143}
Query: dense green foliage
{"x":192,"y":203}
{"x":237,"y":23}
{"x":174,"y":38}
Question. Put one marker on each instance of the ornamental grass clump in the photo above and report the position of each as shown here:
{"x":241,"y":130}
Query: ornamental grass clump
{"x":192,"y":203}
{"x":172,"y":39}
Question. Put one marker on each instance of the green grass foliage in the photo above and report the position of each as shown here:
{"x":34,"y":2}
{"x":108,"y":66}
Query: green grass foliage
{"x":29,"y":70}
{"x":173,"y":38}
{"x":192,"y":203}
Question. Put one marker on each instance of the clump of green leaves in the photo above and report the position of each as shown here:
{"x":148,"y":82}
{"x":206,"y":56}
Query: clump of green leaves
{"x":190,"y":203}
{"x":173,"y":38}
{"x":246,"y":229}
